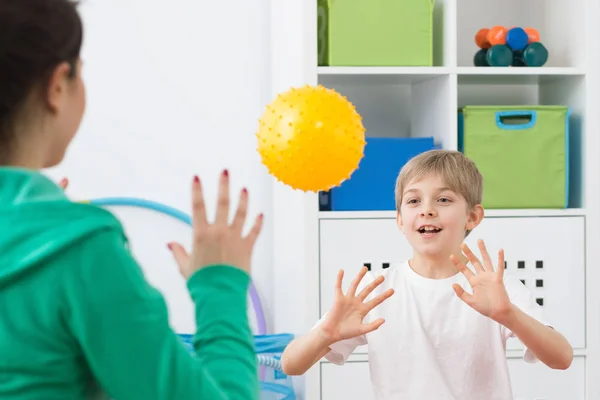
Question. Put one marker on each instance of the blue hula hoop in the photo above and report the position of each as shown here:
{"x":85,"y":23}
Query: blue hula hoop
{"x":187,"y":219}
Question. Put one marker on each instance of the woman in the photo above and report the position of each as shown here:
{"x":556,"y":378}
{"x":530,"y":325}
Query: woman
{"x":77,"y":318}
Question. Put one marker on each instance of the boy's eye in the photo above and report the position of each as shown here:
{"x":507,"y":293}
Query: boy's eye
{"x":444,"y":200}
{"x":411,"y":201}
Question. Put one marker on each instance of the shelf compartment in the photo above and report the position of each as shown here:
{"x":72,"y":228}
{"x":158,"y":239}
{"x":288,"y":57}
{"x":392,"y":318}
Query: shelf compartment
{"x":566,"y":90}
{"x":560,"y":23}
{"x":400,"y":105}
{"x":385,"y":32}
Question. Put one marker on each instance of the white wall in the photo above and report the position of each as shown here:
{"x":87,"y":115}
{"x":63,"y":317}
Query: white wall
{"x":175,"y":88}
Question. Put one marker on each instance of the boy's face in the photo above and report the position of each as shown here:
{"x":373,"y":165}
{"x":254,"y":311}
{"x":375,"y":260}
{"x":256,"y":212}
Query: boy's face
{"x":434,"y":218}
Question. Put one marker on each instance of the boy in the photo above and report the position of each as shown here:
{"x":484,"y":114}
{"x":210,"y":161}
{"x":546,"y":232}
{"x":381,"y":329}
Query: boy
{"x":446,"y":325}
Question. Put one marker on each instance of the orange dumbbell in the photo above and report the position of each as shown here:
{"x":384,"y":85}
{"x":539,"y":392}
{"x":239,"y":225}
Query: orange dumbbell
{"x":533,"y":34}
{"x":497,"y":35}
{"x":481,"y":39}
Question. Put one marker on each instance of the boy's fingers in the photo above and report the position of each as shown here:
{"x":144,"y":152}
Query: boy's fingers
{"x":462,"y":268}
{"x":501,"y":263}
{"x":370,"y":327}
{"x":370,"y":287}
{"x":354,"y":285}
{"x":472,"y":258}
{"x":379,"y":299}
{"x":460,"y":292}
{"x":487,"y":261}
{"x":338,"y":282}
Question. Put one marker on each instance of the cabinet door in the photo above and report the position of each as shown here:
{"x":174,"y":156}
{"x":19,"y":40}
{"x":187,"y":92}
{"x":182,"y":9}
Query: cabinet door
{"x":546,"y":253}
{"x":350,"y":243}
{"x":538,"y":382}
{"x":529,"y":381}
{"x":349,"y":381}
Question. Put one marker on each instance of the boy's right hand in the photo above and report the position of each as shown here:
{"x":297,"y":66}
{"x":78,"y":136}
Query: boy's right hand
{"x":345,"y":319}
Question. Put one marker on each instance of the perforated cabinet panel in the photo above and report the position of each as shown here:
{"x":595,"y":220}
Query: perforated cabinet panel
{"x":546,"y":253}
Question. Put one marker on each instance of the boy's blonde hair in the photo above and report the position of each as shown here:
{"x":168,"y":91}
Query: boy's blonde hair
{"x":457,"y":171}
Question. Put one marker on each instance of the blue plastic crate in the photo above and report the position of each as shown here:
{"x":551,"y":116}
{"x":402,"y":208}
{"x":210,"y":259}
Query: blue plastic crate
{"x":371,"y":186}
{"x":274,"y":384}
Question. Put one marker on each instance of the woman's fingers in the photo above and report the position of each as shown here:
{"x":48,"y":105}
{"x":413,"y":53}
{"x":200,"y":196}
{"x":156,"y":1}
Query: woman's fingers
{"x":255,"y":231}
{"x":240,"y":215}
{"x":199,"y":220}
{"x":63,"y":183}
{"x":222,"y":216}
{"x":181,"y":257}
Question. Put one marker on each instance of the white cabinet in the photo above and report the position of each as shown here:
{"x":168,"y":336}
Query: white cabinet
{"x":349,"y":381}
{"x":538,"y":382}
{"x":546,"y":253}
{"x":407,"y":101}
{"x":529,"y":381}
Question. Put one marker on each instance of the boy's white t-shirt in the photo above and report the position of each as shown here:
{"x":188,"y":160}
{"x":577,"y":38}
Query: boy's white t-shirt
{"x":432,"y":344}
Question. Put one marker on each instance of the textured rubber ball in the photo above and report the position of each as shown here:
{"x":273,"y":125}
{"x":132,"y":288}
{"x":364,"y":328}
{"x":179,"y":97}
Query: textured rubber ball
{"x":311,"y":138}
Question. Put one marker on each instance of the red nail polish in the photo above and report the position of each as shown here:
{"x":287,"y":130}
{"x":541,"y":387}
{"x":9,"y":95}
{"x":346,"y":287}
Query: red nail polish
{"x":170,"y":246}
{"x":245,"y":191}
{"x":196,"y":179}
{"x":226,"y":173}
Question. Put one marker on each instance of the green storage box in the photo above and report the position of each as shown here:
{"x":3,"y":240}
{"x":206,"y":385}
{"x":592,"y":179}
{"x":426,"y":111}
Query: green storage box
{"x":375,"y":32}
{"x":522,"y":153}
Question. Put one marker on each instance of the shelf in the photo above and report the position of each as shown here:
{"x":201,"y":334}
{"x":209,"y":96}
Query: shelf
{"x":559,"y":23}
{"x":380,"y":75}
{"x":399,"y":105}
{"x":489,"y":89}
{"x":509,"y":213}
{"x":466,"y":75}
{"x":514,"y":75}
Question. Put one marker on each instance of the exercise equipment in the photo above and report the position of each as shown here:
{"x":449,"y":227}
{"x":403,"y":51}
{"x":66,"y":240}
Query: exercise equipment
{"x":517,"y":39}
{"x":480,"y":59}
{"x":515,"y":46}
{"x":535,"y":54}
{"x":499,"y":55}
{"x":274,"y":383}
{"x":311,"y":138}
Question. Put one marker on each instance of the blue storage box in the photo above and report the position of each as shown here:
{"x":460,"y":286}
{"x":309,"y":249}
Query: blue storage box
{"x":371,"y":186}
{"x":274,"y":383}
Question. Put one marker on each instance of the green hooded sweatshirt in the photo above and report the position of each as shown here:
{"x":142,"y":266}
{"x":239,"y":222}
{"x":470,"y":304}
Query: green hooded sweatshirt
{"x":79,"y":321}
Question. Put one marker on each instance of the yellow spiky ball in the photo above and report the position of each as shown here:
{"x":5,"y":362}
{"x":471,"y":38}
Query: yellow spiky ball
{"x":311,"y":138}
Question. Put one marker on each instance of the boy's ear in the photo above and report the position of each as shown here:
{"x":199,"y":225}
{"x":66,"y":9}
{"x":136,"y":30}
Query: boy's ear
{"x":475,"y":217}
{"x":399,"y":220}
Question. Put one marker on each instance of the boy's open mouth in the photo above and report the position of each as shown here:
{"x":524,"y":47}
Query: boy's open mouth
{"x":428,"y":230}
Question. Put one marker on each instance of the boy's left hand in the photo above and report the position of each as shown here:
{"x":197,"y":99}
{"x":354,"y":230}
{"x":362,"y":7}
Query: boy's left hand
{"x":489,"y":296}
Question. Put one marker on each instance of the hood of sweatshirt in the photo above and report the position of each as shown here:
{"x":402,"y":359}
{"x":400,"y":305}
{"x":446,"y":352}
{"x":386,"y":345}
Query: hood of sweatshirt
{"x":39,"y":222}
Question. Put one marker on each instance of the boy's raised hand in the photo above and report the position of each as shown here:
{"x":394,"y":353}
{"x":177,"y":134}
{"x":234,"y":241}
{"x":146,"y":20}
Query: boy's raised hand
{"x":345,"y":319}
{"x":489,"y":296}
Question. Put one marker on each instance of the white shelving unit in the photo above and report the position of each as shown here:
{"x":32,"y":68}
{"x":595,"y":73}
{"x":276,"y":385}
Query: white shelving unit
{"x":423,"y":101}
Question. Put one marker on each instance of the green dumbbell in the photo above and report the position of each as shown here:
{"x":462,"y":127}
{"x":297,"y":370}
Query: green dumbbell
{"x":518,"y":60}
{"x":480,"y":59}
{"x":535,"y":54}
{"x":499,"y":55}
